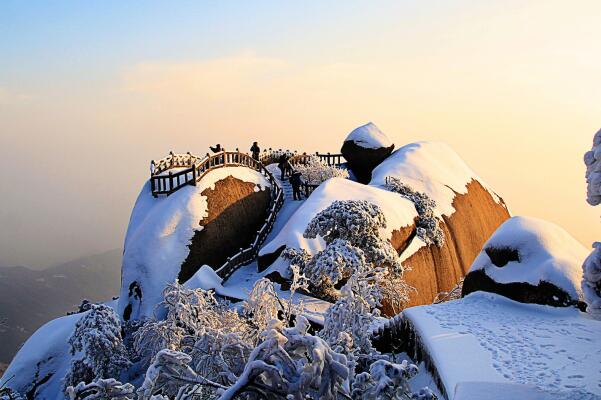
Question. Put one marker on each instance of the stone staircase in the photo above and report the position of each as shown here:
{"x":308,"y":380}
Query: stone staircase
{"x":287,"y":188}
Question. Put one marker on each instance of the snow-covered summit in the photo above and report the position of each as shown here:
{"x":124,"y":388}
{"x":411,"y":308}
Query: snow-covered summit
{"x":432,"y":168}
{"x":542,"y":251}
{"x":369,"y":136}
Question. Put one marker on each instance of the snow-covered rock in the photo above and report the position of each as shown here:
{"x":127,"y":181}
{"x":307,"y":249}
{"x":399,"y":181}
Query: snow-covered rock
{"x":172,"y":237}
{"x":488,"y":338}
{"x":468,"y":213}
{"x":369,"y":136}
{"x":432,"y":168}
{"x":364,"y":148}
{"x":39,"y":367}
{"x":399,"y":213}
{"x":529,"y":260}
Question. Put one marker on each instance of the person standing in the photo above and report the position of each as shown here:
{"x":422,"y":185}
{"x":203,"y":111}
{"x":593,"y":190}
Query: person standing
{"x":296,"y":182}
{"x":255,"y":150}
{"x":282,"y":161}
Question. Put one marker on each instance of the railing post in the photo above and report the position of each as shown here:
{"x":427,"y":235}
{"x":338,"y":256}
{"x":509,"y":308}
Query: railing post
{"x":152,"y":187}
{"x":193,"y":175}
{"x":170,"y":182}
{"x":171,"y":161}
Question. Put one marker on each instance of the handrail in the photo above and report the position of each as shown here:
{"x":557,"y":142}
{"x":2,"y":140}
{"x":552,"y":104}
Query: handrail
{"x":245,"y":256}
{"x":195,"y":169}
{"x":271,"y":156}
{"x":172,"y":161}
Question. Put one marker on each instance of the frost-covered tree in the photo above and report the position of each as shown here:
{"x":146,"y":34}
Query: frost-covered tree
{"x":351,"y":230}
{"x":315,"y":171}
{"x":101,"y":389}
{"x":591,"y":277}
{"x":262,"y":304}
{"x":427,"y":225}
{"x":591,"y":281}
{"x":97,"y":347}
{"x":190,"y":314}
{"x":386,"y":380}
{"x":292,"y":364}
{"x":168,"y":374}
{"x":353,"y":314}
{"x":337,"y":262}
{"x":358,"y":222}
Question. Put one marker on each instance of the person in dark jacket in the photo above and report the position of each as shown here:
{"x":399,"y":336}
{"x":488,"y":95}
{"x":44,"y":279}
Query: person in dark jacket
{"x":296,"y":182}
{"x":216,"y":149}
{"x":288,"y":169}
{"x":282,"y":161}
{"x":255,"y":150}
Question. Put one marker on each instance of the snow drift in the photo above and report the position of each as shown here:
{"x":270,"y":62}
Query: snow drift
{"x":488,"y":338}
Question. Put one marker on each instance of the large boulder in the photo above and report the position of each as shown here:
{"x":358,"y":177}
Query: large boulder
{"x":364,"y":149}
{"x":399,"y":212}
{"x":467,"y":210}
{"x":171,"y":237}
{"x":531,"y":261}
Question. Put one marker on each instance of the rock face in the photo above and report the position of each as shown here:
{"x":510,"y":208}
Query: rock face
{"x":530,"y":261}
{"x":364,"y":149}
{"x":437,"y":269}
{"x":235,"y":212}
{"x":467,"y":210}
{"x":170,"y":238}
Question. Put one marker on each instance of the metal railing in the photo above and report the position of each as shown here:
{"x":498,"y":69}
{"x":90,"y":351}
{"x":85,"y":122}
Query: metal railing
{"x":163,"y":181}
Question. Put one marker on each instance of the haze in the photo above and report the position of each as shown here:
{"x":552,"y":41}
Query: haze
{"x":90,"y":92}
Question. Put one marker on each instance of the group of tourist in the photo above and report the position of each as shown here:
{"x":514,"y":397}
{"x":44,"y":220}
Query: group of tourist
{"x":287,"y":171}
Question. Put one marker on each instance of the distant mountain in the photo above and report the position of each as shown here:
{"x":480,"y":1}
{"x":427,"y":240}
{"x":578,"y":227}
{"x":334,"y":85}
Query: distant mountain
{"x":29,"y":298}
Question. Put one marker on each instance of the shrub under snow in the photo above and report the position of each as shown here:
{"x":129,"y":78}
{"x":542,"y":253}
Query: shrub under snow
{"x":315,"y":171}
{"x":101,"y":389}
{"x":428,"y":226}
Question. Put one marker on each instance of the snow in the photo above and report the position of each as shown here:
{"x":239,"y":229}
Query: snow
{"x":159,"y":232}
{"x":399,"y":212}
{"x":205,"y":278}
{"x":547,"y":253}
{"x":432,"y":168}
{"x":45,"y":352}
{"x":369,"y":136}
{"x":485,"y":337}
{"x":503,"y":391}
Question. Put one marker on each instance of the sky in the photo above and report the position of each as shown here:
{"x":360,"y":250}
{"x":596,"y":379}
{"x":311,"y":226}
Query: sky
{"x":90,"y":92}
